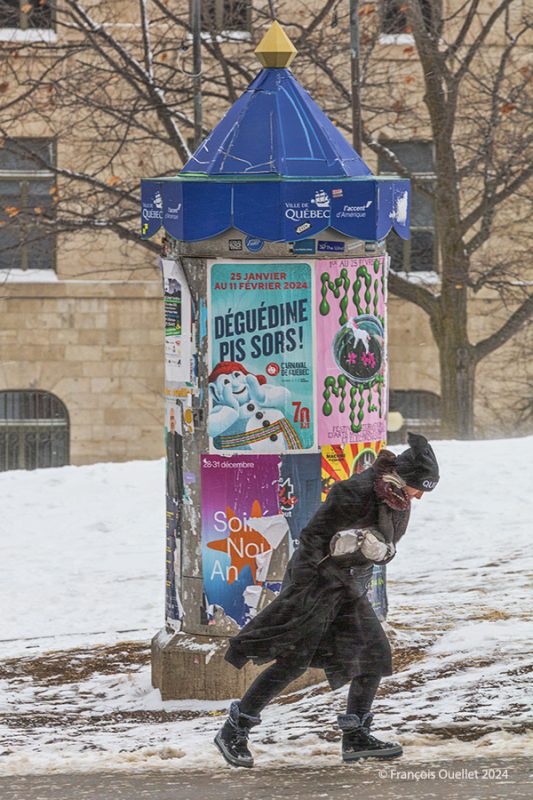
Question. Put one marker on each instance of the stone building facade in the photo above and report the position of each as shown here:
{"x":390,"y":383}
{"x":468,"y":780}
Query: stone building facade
{"x":96,"y":346}
{"x":89,"y":330}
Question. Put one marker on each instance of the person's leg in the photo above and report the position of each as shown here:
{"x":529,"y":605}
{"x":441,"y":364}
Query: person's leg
{"x":268,"y":685}
{"x":231,"y":740}
{"x":357,"y":742}
{"x":375,"y":659}
{"x":361,"y":694}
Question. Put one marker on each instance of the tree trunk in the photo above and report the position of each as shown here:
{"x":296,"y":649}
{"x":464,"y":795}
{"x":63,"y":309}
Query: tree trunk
{"x":457,"y":364}
{"x":457,"y":370}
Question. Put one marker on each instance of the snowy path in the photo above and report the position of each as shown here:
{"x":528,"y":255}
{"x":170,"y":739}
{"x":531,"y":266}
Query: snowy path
{"x":460,"y":622}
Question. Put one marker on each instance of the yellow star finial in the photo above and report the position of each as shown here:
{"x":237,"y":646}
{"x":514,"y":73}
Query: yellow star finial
{"x":275,"y":48}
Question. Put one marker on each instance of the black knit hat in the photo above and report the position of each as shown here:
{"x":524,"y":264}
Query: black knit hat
{"x":418,"y":465}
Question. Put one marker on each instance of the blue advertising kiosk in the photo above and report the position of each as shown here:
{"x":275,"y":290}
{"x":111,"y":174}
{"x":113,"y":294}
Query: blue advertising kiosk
{"x":275,"y":279}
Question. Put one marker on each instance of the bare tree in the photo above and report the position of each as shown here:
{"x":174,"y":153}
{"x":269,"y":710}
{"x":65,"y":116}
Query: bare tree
{"x":118,"y":96}
{"x":481,"y":127}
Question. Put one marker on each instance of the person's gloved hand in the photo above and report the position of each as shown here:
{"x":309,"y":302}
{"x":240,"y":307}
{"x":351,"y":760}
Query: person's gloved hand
{"x":345,"y":542}
{"x":374,"y":549}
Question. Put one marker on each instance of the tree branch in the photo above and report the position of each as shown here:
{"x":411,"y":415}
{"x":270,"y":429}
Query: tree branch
{"x":471,"y":13}
{"x":381,"y":149}
{"x":148,"y":57}
{"x":522,"y":314}
{"x":480,"y":38}
{"x":414,"y":293}
{"x":494,"y":200}
{"x":157,"y":95}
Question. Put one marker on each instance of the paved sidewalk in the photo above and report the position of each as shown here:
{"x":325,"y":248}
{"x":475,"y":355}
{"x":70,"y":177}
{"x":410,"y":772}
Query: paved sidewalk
{"x":478,"y":779}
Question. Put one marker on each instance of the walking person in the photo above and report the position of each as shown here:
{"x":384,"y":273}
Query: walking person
{"x":322,"y":616}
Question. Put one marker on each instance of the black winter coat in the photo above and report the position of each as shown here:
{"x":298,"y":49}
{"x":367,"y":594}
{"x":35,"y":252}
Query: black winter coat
{"x":322,"y":616}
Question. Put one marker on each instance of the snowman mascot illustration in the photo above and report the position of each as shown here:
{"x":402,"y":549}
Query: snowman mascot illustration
{"x":247,"y":413}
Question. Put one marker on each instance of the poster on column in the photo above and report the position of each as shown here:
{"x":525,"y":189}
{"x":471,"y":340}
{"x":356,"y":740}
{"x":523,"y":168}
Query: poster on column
{"x":261,"y":356}
{"x":341,"y":461}
{"x":245,"y":538}
{"x":174,"y":506}
{"x":299,"y":490}
{"x":178,"y":350}
{"x":351,"y":358}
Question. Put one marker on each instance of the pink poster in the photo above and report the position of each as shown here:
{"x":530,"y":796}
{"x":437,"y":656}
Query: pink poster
{"x":351,"y":352}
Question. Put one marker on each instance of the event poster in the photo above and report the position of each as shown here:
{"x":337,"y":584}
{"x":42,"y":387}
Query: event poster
{"x":299,"y":490}
{"x":245,"y":538}
{"x":261,"y":357}
{"x":341,"y":461}
{"x":177,"y":323}
{"x":351,"y":363}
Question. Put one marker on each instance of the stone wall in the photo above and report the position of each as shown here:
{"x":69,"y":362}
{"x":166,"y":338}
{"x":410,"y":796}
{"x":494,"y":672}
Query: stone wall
{"x":98,"y":346}
{"x":412,"y":352}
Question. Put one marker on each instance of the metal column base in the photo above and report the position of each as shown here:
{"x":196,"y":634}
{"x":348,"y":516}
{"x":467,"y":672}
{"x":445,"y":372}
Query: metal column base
{"x":188,"y":665}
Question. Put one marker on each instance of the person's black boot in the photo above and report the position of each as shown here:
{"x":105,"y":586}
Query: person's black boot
{"x":232,"y":738}
{"x":357,"y":741}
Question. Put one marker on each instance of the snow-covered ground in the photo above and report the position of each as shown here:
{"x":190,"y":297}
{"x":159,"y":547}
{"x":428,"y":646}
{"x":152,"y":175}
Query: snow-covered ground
{"x":82,"y":552}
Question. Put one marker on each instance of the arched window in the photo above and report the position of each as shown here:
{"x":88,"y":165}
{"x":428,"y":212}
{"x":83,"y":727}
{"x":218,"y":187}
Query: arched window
{"x":34,"y":430}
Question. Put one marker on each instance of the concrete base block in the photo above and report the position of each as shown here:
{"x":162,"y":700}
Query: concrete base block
{"x":188,"y":665}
